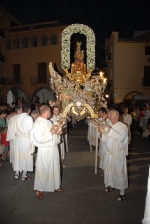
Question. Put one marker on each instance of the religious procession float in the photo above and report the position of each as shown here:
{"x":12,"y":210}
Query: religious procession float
{"x":79,"y":94}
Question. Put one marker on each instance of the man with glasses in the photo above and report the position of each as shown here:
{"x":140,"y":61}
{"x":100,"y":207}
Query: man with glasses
{"x":116,"y":141}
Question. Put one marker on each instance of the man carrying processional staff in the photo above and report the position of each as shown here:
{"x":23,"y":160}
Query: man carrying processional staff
{"x":116,"y":145}
{"x":45,"y":136}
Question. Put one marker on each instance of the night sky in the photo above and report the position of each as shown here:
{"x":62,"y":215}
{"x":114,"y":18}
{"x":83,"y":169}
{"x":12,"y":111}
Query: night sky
{"x":103,"y":17}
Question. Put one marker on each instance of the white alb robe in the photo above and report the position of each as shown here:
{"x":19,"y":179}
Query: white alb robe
{"x":23,"y":159}
{"x":11,"y":136}
{"x":115,"y":170}
{"x":47,"y":174}
{"x":91,"y":137}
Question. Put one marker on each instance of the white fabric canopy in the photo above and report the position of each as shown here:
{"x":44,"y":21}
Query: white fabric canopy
{"x":14,"y":99}
{"x":9,"y":97}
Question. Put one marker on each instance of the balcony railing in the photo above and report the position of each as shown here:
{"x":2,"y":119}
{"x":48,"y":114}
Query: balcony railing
{"x":12,"y":81}
{"x":2,"y":58}
{"x":2,"y":33}
{"x":145,"y":82}
{"x":2,"y":80}
{"x":36,"y":79}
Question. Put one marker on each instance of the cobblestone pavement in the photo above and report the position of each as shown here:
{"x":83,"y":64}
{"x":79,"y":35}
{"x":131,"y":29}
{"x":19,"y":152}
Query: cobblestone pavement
{"x":84,"y":200}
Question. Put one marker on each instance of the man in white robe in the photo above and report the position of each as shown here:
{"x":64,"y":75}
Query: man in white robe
{"x":23,"y":158}
{"x":115,"y":170}
{"x":43,"y":135}
{"x":11,"y":132}
{"x":91,"y":136}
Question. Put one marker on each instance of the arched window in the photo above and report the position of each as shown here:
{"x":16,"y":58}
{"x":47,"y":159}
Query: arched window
{"x":34,"y":41}
{"x":44,"y":40}
{"x":54,"y":39}
{"x":25,"y":42}
{"x":16,"y":43}
{"x":42,"y":70}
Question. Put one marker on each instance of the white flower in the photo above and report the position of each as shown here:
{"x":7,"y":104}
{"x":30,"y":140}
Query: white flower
{"x":90,"y":45}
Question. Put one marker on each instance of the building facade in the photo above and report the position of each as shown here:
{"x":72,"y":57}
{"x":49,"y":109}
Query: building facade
{"x":29,"y":50}
{"x":128,"y":66}
{"x":6,"y":21}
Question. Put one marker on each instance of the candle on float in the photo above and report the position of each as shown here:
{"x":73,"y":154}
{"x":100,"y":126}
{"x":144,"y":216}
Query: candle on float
{"x":104,"y":80}
{"x":101,"y":75}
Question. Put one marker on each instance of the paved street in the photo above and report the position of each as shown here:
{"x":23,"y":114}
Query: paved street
{"x":84,"y":200}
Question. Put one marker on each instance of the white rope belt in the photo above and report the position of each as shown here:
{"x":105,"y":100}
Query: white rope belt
{"x":111,"y":152}
{"x":22,"y":136}
{"x":53,"y":147}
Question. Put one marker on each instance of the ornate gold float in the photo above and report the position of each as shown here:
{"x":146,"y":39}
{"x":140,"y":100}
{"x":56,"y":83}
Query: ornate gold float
{"x":79,"y":94}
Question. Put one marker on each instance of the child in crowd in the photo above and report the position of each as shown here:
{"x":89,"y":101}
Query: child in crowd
{"x":3,"y":133}
{"x":3,"y":115}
